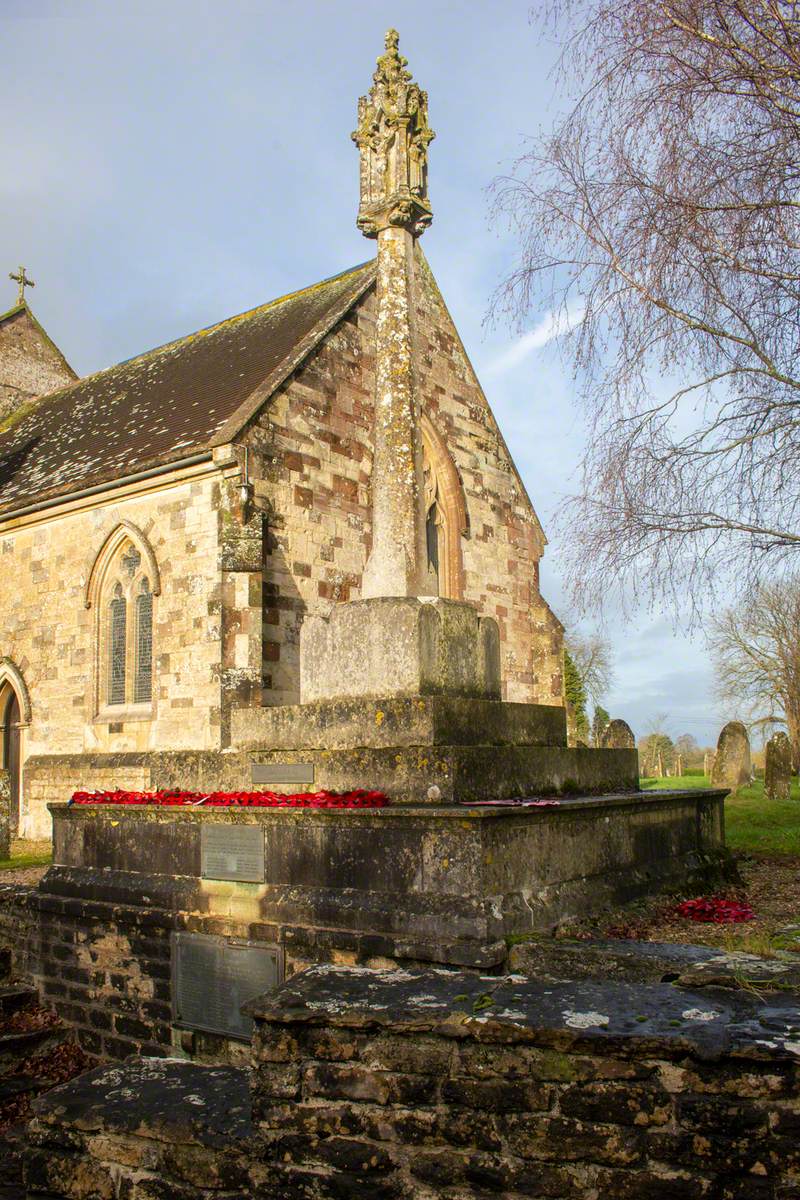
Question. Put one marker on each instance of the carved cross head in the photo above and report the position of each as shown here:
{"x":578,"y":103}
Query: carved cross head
{"x":393,"y":136}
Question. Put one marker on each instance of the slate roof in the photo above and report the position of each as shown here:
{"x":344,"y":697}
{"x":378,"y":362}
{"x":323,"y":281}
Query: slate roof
{"x":170,"y":403}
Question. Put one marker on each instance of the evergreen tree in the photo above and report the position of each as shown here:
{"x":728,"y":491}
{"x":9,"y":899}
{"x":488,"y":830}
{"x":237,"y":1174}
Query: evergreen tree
{"x":575,"y":696}
{"x":599,"y":724}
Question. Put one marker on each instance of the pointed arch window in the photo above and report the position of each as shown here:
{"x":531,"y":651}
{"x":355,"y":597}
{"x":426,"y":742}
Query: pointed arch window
{"x":143,"y":682}
{"x":125,"y":636}
{"x":117,"y":638}
{"x":446,"y":520}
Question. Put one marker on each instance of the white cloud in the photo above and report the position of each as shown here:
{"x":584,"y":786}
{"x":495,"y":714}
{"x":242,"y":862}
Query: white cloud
{"x":552,"y":325}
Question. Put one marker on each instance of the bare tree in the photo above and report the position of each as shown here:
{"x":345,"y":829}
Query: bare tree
{"x":664,"y":210}
{"x":756,"y":651}
{"x":591,"y":653}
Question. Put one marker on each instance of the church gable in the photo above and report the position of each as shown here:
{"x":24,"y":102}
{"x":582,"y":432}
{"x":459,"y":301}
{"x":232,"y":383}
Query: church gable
{"x":312,"y":466}
{"x":30,"y":363}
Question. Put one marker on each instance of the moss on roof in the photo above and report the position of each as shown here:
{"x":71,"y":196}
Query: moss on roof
{"x":175,"y":400}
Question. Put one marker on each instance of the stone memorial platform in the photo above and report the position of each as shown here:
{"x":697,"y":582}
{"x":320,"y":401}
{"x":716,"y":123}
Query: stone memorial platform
{"x":453,"y":884}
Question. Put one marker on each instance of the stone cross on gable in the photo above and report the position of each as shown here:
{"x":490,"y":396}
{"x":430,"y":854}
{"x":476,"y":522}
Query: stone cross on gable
{"x":22,"y":279}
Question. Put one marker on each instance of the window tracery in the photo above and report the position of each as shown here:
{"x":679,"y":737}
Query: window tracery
{"x":125,"y":632}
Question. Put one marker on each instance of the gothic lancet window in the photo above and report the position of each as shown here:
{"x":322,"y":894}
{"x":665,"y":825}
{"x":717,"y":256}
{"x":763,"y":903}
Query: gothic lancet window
{"x":117,"y":622}
{"x":446,"y":521}
{"x":143,"y":682}
{"x":125,"y":632}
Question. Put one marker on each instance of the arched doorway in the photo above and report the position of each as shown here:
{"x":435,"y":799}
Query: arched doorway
{"x":10,"y":715}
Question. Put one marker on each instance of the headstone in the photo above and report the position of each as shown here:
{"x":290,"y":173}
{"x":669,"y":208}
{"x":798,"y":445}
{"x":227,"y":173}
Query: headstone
{"x":732,"y":761}
{"x":778,"y":769}
{"x":708,"y":763}
{"x":5,"y":814}
{"x":618,"y":735}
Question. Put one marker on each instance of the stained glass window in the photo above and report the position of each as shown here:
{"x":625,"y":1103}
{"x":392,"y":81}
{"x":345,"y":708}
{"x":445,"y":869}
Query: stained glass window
{"x":116,"y":647}
{"x":143,"y":679}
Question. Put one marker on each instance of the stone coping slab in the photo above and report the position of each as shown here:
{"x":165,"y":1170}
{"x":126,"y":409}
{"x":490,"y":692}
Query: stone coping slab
{"x":404,"y":812}
{"x":175,"y":1101}
{"x":549,"y":958}
{"x":515,"y":1009}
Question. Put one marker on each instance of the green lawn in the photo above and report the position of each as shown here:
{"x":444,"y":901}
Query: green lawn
{"x":28,"y":854}
{"x":752,"y":823}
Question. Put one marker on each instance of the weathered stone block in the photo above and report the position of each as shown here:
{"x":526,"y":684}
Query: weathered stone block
{"x":399,"y":647}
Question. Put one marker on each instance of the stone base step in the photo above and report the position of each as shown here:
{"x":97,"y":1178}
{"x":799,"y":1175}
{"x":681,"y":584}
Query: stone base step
{"x":405,"y":721}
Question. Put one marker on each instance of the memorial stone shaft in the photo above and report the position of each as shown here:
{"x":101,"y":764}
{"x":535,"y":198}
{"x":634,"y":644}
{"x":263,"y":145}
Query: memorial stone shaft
{"x":392,"y":138}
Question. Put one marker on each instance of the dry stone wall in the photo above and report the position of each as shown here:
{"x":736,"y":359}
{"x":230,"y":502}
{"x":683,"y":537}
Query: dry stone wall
{"x":441,"y":1085}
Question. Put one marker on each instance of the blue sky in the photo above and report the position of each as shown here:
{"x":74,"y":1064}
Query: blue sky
{"x":168,"y":164}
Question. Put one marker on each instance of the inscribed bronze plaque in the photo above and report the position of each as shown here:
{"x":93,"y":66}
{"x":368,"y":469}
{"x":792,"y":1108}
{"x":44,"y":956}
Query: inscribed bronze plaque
{"x":283,"y":773}
{"x":232,"y":852}
{"x":212,"y":977}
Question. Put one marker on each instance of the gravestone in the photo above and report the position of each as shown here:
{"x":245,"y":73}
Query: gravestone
{"x":732,"y":761}
{"x":5,"y":814}
{"x":708,"y":763}
{"x":778,"y":769}
{"x":618,"y":735}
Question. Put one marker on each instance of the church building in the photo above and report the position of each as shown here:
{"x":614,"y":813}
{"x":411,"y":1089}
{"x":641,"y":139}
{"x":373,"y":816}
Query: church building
{"x":167,"y":524}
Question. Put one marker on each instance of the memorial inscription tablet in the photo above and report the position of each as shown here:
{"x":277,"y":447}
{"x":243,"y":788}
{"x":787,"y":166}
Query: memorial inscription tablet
{"x":232,"y":852}
{"x":283,"y":773}
{"x":212,"y":977}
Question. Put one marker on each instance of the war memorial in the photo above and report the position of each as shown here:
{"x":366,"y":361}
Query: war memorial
{"x":357,"y":994}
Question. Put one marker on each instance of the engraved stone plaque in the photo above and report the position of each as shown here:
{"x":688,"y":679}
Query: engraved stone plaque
{"x":232,"y":852}
{"x":283,"y":772}
{"x":212,"y":977}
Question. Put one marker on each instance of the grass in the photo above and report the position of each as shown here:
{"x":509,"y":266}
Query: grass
{"x":19,"y":861}
{"x":27,"y":854}
{"x":753,"y":824}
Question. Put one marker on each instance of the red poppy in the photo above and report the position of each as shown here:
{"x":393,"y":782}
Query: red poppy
{"x":360,"y":798}
{"x":715,"y":910}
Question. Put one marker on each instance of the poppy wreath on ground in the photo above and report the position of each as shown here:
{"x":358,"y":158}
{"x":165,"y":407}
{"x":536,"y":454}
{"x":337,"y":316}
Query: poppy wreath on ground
{"x":715,"y":910}
{"x":356,"y":799}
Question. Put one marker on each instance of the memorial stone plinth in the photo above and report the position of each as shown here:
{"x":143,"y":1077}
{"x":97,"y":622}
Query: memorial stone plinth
{"x":400,"y":646}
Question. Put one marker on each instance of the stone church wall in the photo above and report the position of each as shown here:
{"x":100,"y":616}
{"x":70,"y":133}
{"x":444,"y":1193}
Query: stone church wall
{"x":313,"y":457}
{"x":51,"y":637}
{"x":30,"y":365}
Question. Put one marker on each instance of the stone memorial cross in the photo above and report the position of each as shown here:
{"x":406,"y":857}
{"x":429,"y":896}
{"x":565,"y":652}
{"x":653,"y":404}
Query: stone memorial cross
{"x":392,"y":138}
